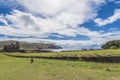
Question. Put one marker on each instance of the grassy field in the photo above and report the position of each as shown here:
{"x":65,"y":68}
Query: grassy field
{"x":73,"y":53}
{"x":12,"y":68}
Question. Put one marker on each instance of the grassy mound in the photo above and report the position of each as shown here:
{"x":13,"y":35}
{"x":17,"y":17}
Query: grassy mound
{"x":111,"y":56}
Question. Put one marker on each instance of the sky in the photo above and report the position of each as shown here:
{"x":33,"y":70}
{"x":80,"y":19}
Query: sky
{"x":71,"y":24}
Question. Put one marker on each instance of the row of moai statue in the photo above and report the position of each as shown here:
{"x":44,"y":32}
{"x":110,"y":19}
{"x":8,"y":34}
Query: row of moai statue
{"x":12,"y":47}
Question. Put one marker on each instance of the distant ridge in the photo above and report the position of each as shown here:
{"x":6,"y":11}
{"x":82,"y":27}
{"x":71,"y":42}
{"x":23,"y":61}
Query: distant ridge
{"x":29,"y":46}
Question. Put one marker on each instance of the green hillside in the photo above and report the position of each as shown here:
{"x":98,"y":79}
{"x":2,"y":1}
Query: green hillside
{"x":30,"y":46}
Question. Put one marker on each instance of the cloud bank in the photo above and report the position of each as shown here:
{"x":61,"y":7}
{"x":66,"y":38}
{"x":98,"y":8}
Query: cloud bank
{"x":41,"y":19}
{"x":50,"y":16}
{"x":109,"y":20}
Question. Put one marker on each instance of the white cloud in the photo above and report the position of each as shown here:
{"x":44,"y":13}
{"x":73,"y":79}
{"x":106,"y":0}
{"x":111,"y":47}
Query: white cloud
{"x":94,"y":43}
{"x":9,"y":4}
{"x":27,"y":24}
{"x":117,"y":2}
{"x":61,"y":17}
{"x":53,"y":7}
{"x":2,"y":20}
{"x":109,"y":20}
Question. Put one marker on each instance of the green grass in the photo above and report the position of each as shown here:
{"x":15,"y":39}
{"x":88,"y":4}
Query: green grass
{"x":12,"y":68}
{"x":72,"y":53}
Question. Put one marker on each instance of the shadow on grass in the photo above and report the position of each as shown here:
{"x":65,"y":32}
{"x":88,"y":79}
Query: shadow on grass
{"x":97,"y":58}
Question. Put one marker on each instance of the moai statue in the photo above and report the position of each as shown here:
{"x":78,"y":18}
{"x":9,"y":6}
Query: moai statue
{"x":17,"y":46}
{"x":5,"y":48}
{"x":12,"y":46}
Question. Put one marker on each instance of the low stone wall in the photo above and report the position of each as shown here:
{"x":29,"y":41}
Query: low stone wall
{"x":106,"y":59}
{"x":110,"y":59}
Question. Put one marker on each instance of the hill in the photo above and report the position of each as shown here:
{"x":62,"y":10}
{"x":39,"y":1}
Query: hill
{"x":30,"y":46}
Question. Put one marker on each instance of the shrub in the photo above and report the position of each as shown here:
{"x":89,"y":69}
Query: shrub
{"x":111,"y":44}
{"x":113,"y":47}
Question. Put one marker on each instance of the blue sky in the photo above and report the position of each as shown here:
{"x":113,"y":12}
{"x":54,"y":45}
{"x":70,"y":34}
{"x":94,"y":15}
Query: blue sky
{"x":72,"y":24}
